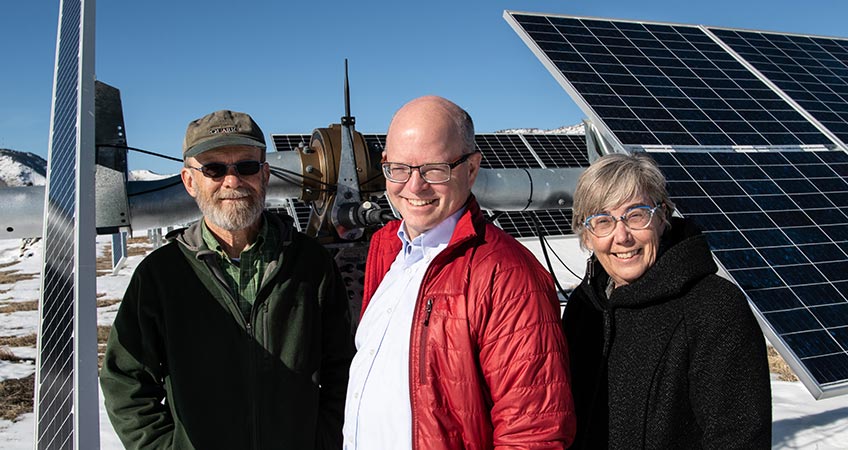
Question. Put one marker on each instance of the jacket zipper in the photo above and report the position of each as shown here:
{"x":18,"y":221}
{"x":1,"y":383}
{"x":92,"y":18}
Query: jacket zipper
{"x":422,"y":363}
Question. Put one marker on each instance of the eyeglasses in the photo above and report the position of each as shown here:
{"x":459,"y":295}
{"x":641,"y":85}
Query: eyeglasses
{"x":432,"y":173}
{"x":219,"y":170}
{"x":635,"y":218}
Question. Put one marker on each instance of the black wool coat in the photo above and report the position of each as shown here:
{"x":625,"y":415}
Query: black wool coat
{"x":674,"y":360}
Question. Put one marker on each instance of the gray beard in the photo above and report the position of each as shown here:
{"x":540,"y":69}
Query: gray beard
{"x":233,"y":216}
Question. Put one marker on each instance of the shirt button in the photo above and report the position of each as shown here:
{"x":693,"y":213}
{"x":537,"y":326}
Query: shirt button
{"x":356,"y":395}
{"x":372,"y":351}
{"x":389,"y":310}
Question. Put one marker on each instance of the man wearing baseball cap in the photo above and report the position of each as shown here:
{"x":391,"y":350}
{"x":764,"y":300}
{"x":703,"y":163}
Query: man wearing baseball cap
{"x":236,"y":334}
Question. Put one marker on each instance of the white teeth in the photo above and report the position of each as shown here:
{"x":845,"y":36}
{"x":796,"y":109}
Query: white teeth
{"x":626,"y":255}
{"x":414,"y":202}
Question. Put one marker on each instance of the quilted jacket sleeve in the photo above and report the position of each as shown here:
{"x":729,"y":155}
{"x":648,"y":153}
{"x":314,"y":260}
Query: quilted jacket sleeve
{"x":525,"y":361}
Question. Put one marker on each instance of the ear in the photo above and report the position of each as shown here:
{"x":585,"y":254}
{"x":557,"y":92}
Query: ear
{"x":186,"y":177}
{"x":474,"y":166}
{"x":266,"y":173}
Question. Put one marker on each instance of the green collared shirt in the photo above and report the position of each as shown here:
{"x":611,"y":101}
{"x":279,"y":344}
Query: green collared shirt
{"x":244,"y":274}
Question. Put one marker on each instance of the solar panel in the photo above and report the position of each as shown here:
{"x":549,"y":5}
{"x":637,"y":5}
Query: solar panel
{"x":553,"y":222}
{"x":286,"y":142}
{"x":66,"y":372}
{"x":778,"y":223}
{"x":504,"y":151}
{"x":812,"y":70}
{"x":375,"y":141}
{"x":559,"y":150}
{"x":661,"y":85}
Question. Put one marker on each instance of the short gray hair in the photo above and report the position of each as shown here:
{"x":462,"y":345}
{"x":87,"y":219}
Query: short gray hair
{"x":614,"y":179}
{"x":465,"y":125}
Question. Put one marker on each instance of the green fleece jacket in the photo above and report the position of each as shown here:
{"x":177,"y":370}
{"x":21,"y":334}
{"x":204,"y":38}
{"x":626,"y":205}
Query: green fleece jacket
{"x":184,"y":369}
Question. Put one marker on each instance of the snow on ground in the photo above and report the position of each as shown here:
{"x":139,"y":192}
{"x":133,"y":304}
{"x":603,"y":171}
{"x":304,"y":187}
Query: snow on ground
{"x":799,"y":421}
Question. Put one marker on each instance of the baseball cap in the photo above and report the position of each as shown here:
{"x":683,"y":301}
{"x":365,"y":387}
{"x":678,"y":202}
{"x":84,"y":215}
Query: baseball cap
{"x":220,"y":129}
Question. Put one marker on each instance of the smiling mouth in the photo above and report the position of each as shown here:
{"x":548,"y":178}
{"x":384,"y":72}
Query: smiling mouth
{"x":627,"y":255}
{"x":415,"y":202}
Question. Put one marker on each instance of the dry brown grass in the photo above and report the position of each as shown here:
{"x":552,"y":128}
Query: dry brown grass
{"x":13,"y":276}
{"x":18,"y":341}
{"x":104,"y":302}
{"x":16,"y":397}
{"x":135,"y":247}
{"x":8,"y":264}
{"x":28,"y":305}
{"x":778,"y":366}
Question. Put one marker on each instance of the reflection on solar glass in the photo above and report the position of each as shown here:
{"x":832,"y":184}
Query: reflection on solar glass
{"x":559,"y":150}
{"x":554,"y":222}
{"x":812,"y":70}
{"x":504,"y":151}
{"x":781,"y":231}
{"x":670,"y":85}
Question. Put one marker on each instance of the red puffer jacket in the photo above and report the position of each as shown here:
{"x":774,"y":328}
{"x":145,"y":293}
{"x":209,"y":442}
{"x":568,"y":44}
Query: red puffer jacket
{"x":488,"y":360}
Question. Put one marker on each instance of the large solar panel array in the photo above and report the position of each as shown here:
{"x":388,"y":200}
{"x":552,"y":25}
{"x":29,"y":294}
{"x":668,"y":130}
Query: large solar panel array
{"x":749,"y":129}
{"x":662,"y":85}
{"x":500,"y":151}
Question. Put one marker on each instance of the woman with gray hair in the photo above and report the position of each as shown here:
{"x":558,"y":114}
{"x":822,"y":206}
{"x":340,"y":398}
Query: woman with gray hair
{"x":664,"y":353}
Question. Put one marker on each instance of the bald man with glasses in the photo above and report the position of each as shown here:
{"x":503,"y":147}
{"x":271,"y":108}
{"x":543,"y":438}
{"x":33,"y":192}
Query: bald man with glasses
{"x":459,"y":344}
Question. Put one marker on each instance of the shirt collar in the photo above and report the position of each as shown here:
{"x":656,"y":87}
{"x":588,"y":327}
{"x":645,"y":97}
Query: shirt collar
{"x":213,"y":244}
{"x":432,"y":240}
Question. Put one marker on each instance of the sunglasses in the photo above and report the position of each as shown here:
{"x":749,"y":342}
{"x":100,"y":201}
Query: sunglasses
{"x":220,"y":170}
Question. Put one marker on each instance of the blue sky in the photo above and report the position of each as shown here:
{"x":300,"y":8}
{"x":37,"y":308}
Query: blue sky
{"x":283,"y":61}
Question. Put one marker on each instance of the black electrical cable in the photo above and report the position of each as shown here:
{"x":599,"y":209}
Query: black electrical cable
{"x":547,"y":258}
{"x":147,"y":152}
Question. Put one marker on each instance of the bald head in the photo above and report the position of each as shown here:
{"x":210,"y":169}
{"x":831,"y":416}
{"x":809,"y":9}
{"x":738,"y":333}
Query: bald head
{"x":436,"y":115}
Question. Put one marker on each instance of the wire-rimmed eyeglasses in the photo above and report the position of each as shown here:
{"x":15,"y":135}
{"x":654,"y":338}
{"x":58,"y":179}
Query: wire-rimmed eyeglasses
{"x":219,"y":170}
{"x":635,"y":218}
{"x":432,"y":173}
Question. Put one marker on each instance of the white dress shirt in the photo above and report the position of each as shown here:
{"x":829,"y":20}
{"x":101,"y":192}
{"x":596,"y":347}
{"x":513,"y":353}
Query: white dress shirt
{"x":378,"y":414}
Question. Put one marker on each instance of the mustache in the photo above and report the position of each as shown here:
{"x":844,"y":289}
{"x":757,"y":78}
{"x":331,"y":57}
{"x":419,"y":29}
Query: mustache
{"x":233,"y":193}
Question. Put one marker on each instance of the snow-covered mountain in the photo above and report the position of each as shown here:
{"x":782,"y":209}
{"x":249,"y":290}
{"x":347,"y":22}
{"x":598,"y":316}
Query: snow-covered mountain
{"x":27,"y":169}
{"x":568,"y":129}
{"x":21,"y":168}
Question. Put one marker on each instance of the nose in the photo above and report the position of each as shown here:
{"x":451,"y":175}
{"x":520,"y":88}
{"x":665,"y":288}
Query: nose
{"x":621,"y":232}
{"x":416,"y":182}
{"x":232,"y":179}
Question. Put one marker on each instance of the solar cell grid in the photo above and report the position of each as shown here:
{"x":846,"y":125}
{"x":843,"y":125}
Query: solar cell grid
{"x":286,"y":142}
{"x":813,"y":71}
{"x":521,"y":224}
{"x":786,"y":250}
{"x":559,"y":150}
{"x":504,"y":151}
{"x":667,"y":85}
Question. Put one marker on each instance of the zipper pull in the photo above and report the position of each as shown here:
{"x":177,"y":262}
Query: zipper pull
{"x":590,"y":268}
{"x":428,"y":310}
{"x":249,"y":330}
